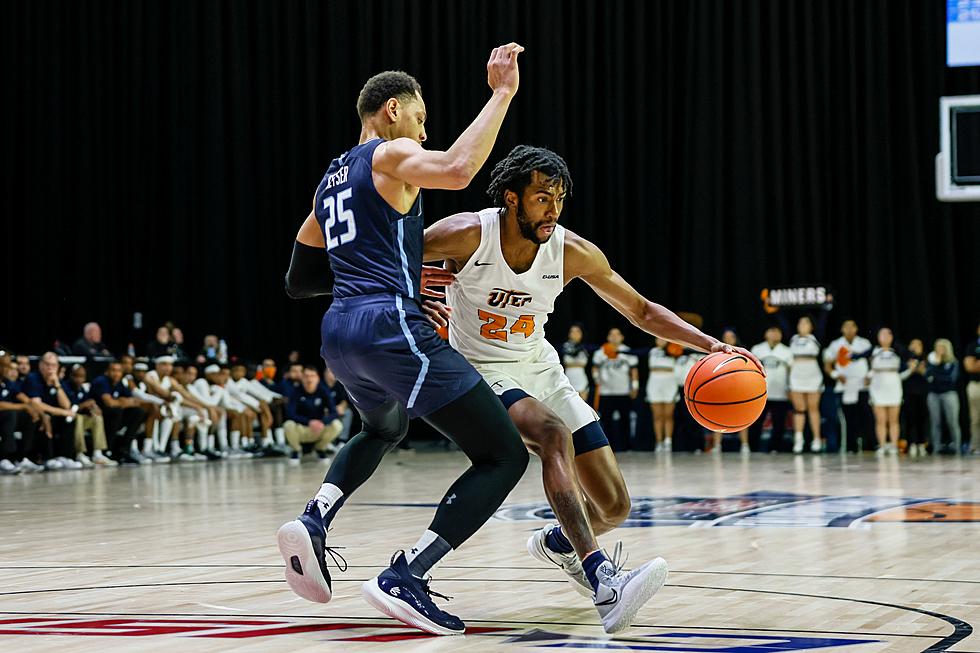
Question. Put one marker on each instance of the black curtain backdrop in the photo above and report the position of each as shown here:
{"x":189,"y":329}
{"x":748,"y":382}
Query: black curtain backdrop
{"x":160,"y":156}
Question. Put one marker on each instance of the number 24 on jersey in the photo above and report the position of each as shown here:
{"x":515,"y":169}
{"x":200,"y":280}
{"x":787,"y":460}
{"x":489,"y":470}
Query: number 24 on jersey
{"x":495,"y":326}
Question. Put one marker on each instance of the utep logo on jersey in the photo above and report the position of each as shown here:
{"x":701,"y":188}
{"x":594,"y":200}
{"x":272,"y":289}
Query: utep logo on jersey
{"x":500,"y":297}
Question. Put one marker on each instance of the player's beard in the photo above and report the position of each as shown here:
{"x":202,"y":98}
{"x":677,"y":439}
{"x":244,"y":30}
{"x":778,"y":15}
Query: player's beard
{"x":529,"y":230}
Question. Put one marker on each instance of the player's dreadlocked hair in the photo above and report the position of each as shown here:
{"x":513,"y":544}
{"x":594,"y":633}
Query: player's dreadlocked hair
{"x":381,"y":87}
{"x":514,"y":172}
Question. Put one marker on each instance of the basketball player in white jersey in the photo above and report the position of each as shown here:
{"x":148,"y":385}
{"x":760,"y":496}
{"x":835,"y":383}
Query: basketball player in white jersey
{"x":510,"y":263}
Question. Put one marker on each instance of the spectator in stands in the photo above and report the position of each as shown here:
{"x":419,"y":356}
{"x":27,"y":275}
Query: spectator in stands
{"x":89,"y":419}
{"x":121,"y":413}
{"x":617,"y":384}
{"x":846,"y":361}
{"x":90,"y":344}
{"x":44,"y":389}
{"x":338,"y":394}
{"x":186,"y":411}
{"x":312,"y":417}
{"x":687,"y":431}
{"x":777,"y":359}
{"x":240,"y":416}
{"x":177,"y":348}
{"x":17,"y":414}
{"x":293,"y":380}
{"x":574,"y":358}
{"x":915,"y":389}
{"x":730,"y":337}
{"x":942,"y":372}
{"x":971,"y":365}
{"x":161,"y":345}
{"x":661,"y":395}
{"x":134,"y":377}
{"x":23,"y":367}
{"x":209,"y":350}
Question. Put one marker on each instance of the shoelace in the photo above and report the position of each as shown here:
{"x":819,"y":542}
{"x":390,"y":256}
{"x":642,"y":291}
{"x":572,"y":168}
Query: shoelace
{"x":336,"y":557}
{"x":425,"y":587}
{"x":617,"y":554}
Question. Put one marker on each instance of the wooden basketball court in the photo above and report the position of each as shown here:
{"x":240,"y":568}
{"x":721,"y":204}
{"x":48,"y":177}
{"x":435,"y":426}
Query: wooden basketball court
{"x":767,"y":553}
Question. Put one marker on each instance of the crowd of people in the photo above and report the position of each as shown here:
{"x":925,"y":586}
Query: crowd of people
{"x":162,"y":408}
{"x":851,"y":394}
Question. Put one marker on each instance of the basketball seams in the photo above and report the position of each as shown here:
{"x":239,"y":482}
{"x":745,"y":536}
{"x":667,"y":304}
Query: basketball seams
{"x":723,"y":374}
{"x":693,"y":373}
{"x":727,"y":403}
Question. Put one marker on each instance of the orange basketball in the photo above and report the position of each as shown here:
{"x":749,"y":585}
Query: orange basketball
{"x":725,"y":393}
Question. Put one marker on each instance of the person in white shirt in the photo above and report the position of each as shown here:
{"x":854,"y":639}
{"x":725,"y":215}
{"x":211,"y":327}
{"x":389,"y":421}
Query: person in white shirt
{"x":241,"y":388}
{"x":183,"y":407}
{"x":729,"y":337}
{"x":617,"y":380}
{"x":201,"y":389}
{"x":805,"y":384}
{"x":686,"y":429}
{"x":574,"y":358}
{"x":777,"y":359}
{"x":886,"y":390}
{"x":846,"y":361}
{"x":661,"y":394}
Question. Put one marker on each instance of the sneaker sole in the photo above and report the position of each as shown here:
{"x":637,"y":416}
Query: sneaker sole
{"x":536,"y":551}
{"x":647,"y":588}
{"x":399,"y":611}
{"x":296,"y":547}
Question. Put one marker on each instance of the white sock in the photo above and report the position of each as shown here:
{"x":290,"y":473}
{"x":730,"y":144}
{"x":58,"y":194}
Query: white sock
{"x":798,"y":435}
{"x":166,"y":427}
{"x":174,"y":447}
{"x":148,"y":444}
{"x":328,"y":495}
{"x":236,"y":439}
{"x":223,"y":434}
{"x":202,"y":437}
{"x":280,"y":436}
{"x":432,"y":548}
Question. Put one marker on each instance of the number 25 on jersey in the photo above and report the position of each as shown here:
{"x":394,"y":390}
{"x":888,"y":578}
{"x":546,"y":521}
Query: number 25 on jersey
{"x":334,"y":206}
{"x":495,"y":326}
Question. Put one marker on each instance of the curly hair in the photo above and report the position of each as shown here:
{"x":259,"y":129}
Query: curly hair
{"x":381,"y":87}
{"x":513,"y":173}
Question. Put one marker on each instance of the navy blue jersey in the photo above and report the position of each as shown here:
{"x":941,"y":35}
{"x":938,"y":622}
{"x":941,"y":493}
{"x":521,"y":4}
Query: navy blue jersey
{"x":102,"y":385}
{"x":75,"y":395}
{"x":373,"y":248}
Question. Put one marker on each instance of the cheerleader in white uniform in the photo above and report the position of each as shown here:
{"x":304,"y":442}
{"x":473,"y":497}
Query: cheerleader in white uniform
{"x":574,"y":358}
{"x":886,"y":390}
{"x":661,"y":394}
{"x":805,"y":384}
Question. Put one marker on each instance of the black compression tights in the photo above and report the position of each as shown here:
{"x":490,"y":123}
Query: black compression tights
{"x":478,"y":423}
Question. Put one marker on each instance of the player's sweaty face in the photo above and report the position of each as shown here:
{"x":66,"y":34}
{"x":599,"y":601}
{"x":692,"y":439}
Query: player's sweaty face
{"x":540,"y":207}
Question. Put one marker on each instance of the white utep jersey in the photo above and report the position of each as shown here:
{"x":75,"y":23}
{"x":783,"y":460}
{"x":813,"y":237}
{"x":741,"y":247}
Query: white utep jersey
{"x":499,"y":315}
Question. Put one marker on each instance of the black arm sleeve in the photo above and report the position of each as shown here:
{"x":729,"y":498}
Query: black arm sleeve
{"x":309,"y":273}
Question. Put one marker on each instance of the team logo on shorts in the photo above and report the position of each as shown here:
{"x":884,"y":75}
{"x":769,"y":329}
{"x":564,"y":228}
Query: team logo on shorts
{"x":500,"y":297}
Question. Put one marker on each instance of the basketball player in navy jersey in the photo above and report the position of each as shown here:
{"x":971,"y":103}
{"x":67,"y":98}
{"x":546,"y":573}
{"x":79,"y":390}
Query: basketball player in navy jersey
{"x":367,"y":215}
{"x":510,"y":263}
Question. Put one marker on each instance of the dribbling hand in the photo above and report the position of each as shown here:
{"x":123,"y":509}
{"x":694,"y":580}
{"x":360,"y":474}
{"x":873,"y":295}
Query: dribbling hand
{"x":502,"y":73}
{"x":728,"y":349}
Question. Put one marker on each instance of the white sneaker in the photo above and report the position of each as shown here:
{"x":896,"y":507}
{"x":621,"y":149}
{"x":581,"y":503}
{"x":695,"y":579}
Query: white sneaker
{"x":745,"y":450}
{"x":620,"y":595}
{"x":7,"y":468}
{"x":68,"y":463}
{"x":104,"y":460}
{"x":660,"y":448}
{"x":84,"y":461}
{"x":199,"y":457}
{"x":798,"y":443}
{"x":185,"y":458}
{"x":816,"y":446}
{"x":567,"y":562}
{"x":53,"y":464}
{"x":159,"y":458}
{"x":28,"y":466}
{"x":668,"y":445}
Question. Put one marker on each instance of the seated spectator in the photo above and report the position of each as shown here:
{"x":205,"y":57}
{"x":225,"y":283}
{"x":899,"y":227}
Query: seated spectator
{"x":177,"y":348}
{"x":209,"y":350}
{"x":134,"y":377}
{"x":187,"y":376}
{"x":121,"y":413}
{"x":17,"y":414}
{"x":89,"y":418}
{"x":339,"y":396}
{"x":182,"y":410}
{"x":161,"y":345}
{"x":266,"y":387}
{"x":293,"y":380}
{"x":90,"y":344}
{"x":207,"y":395}
{"x":23,"y":367}
{"x":240,"y":416}
{"x":44,"y":389}
{"x":312,"y":417}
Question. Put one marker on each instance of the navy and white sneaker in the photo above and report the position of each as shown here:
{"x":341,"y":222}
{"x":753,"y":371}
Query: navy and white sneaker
{"x":303,"y":543}
{"x":402,"y":596}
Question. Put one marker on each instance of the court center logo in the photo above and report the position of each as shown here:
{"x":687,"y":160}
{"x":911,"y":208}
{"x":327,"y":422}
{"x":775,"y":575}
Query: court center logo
{"x":773,"y":509}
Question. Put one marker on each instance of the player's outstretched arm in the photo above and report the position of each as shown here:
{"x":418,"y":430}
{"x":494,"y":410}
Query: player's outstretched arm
{"x":455,"y":168}
{"x":583,"y":259}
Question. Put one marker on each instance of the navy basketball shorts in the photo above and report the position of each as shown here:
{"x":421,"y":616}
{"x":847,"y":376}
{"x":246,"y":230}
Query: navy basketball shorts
{"x":382,"y":348}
